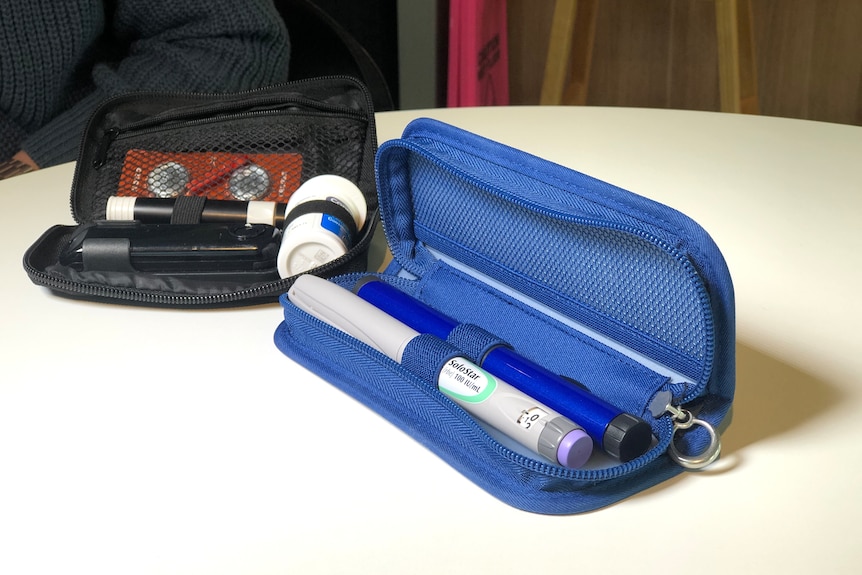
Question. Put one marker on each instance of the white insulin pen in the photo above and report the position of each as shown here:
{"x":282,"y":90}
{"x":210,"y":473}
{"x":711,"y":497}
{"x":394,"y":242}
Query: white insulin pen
{"x":483,"y":396}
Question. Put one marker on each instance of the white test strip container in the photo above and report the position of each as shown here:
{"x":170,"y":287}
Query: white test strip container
{"x":314,"y":239}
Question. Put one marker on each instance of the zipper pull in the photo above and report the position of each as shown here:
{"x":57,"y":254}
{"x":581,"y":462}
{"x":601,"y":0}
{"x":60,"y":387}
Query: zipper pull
{"x":683,"y":419}
{"x":104,"y":144}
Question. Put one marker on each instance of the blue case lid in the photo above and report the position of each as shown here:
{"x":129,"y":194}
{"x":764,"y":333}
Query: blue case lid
{"x":634,"y":271}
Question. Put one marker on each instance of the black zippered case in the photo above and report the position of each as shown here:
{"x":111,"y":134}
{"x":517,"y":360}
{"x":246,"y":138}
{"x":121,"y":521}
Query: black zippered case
{"x":624,"y":296}
{"x":255,"y":145}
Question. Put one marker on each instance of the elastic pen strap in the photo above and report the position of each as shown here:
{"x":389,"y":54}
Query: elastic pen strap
{"x":473,"y":341}
{"x":426,"y":354}
{"x":188,"y":210}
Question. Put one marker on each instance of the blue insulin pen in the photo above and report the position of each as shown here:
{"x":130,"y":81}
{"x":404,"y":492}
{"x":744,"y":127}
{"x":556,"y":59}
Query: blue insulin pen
{"x":479,"y":393}
{"x":621,"y":435}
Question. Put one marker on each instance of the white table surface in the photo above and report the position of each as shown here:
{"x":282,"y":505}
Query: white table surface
{"x":138,"y":440}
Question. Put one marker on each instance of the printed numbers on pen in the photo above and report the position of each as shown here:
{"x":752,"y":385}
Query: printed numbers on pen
{"x":530,"y":416}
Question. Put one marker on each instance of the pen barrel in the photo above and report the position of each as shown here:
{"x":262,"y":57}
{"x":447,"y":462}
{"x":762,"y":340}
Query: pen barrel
{"x":620,"y":434}
{"x":341,"y":309}
{"x":483,"y":396}
{"x":251,"y":212}
{"x":421,"y":317}
{"x":164,"y":210}
{"x":513,"y":413}
{"x":590,"y":411}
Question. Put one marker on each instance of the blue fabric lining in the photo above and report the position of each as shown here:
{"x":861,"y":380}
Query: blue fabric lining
{"x":480,"y":167}
{"x":541,"y":339}
{"x":609,"y":273}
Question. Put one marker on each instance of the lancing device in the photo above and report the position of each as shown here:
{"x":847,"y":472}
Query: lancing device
{"x":621,"y":435}
{"x":163,"y":210}
{"x":483,"y":396}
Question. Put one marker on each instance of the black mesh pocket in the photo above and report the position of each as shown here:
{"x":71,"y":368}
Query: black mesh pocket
{"x":262,"y":155}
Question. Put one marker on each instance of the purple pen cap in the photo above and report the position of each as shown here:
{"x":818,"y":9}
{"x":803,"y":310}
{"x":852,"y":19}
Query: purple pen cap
{"x":566,"y":443}
{"x":575,"y":449}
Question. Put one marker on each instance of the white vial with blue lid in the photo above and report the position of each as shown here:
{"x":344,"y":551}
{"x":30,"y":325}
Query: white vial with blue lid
{"x":316,"y":238}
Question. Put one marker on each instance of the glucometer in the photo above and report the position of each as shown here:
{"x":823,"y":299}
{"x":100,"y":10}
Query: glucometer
{"x":111,"y":246}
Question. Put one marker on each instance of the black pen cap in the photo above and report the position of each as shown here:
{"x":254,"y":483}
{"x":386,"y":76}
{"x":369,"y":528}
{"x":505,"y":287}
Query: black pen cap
{"x":627,"y":437}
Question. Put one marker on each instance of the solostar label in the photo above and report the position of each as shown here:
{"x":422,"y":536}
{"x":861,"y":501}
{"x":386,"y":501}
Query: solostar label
{"x":465,"y":381}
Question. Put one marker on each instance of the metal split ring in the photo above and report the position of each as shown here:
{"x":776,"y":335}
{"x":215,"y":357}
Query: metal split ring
{"x":701,"y":460}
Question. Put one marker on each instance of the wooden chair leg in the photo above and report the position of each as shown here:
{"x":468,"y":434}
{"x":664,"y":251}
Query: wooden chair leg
{"x":581,"y":58}
{"x":737,"y":72}
{"x":559,"y":50}
{"x":570,"y":50}
{"x":570,"y":53}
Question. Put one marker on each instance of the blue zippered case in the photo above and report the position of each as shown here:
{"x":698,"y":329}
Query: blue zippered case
{"x":626,"y":296}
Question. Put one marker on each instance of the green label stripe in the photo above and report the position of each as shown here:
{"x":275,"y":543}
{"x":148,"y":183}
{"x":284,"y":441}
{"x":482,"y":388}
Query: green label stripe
{"x":476,"y":390}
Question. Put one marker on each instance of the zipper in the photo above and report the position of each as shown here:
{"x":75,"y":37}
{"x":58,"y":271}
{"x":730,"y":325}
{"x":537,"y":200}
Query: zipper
{"x":270,"y":289}
{"x":171,"y":121}
{"x":662,"y":403}
{"x":686,"y":264}
{"x":132,"y":295}
{"x":104,"y":144}
{"x":230,"y":108}
{"x":663,"y":407}
{"x":528,"y":462}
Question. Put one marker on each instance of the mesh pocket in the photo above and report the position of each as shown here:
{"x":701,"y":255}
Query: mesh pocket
{"x":612,"y":280}
{"x":264,"y":156}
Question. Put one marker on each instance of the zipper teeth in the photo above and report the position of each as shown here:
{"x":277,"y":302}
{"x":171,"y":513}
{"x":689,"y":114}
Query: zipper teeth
{"x":692,"y":274}
{"x":133,"y":295}
{"x":533,"y":464}
{"x":591,"y":222}
{"x":271,"y":288}
{"x":153,"y":125}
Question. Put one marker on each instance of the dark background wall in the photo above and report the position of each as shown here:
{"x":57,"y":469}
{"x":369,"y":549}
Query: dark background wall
{"x":374,"y":23}
{"x":660,"y":53}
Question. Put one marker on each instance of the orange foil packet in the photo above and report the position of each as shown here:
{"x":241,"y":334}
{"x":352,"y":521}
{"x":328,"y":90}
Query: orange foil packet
{"x":214,"y":175}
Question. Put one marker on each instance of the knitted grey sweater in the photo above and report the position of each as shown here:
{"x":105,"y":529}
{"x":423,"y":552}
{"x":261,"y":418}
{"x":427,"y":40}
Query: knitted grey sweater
{"x":59,"y":59}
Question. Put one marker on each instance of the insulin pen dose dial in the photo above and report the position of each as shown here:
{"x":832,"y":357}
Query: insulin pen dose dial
{"x":168,"y":180}
{"x":249,"y":182}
